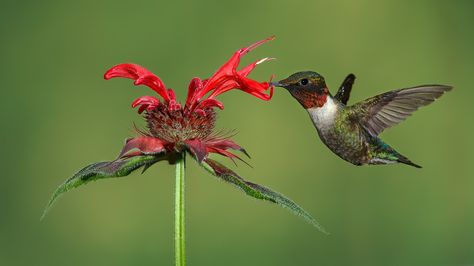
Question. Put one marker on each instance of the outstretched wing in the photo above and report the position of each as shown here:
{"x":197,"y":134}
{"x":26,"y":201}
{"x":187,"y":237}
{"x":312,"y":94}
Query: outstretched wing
{"x":344,"y":91}
{"x":388,"y":109}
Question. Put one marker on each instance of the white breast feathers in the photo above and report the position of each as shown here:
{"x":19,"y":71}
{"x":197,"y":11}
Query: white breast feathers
{"x":324,"y":117}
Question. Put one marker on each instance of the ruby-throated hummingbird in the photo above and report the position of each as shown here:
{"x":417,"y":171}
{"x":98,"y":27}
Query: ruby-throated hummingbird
{"x":352,"y":131}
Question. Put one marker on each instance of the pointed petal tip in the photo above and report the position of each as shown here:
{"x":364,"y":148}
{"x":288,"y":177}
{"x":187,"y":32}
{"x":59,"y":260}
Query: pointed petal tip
{"x":109,"y":74}
{"x":265,"y":60}
{"x":125,"y":70}
{"x":115,"y":71}
{"x":255,"y":45}
{"x":106,"y":76}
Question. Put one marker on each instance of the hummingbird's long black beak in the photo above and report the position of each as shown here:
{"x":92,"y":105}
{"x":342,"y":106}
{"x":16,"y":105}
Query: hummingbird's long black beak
{"x":276,"y":84}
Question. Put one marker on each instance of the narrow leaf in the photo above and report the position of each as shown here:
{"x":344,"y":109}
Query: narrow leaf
{"x":258,"y":191}
{"x":117,"y":168}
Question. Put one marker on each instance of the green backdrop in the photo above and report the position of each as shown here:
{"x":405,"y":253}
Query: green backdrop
{"x":58,"y":114}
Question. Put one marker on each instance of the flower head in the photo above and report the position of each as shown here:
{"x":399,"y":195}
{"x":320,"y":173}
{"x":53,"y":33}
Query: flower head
{"x":172,"y":127}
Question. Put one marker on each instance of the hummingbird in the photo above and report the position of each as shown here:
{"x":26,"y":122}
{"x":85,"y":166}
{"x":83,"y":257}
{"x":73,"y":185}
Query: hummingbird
{"x":352,"y":131}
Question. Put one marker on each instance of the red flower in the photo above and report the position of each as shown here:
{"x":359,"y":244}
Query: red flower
{"x":173,"y":127}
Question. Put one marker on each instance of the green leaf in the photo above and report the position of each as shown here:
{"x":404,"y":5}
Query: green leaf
{"x":258,"y":191}
{"x":117,"y":168}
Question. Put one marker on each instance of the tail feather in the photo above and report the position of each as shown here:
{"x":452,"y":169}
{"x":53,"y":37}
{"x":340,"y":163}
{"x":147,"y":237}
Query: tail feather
{"x":405,"y":160}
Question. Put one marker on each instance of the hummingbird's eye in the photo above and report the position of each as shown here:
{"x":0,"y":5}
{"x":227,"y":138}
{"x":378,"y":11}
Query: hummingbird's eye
{"x":304,"y":82}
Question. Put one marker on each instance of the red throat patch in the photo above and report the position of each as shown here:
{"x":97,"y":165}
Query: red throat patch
{"x":321,"y":100}
{"x":310,"y":99}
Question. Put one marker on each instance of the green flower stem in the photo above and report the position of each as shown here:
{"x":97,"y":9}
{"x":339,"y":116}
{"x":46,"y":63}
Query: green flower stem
{"x":179,"y":241}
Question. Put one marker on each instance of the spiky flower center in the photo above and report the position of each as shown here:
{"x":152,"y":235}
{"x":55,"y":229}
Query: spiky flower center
{"x":176,"y":126}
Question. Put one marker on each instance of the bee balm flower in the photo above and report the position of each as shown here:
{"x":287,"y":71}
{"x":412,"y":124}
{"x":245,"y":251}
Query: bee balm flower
{"x":173,"y":129}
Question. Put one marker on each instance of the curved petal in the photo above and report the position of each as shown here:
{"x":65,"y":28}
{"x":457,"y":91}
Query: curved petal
{"x":255,"y":88}
{"x":225,"y":144}
{"x":155,"y":84}
{"x":247,"y":49}
{"x":200,"y":112}
{"x":210,"y":103}
{"x":195,"y":85}
{"x":228,"y":70}
{"x":142,"y":108}
{"x":225,"y":86}
{"x":171,"y":94}
{"x":174,"y":106}
{"x":225,"y":153}
{"x":141,"y":75}
{"x":142,"y":146}
{"x":146,"y":103}
{"x":247,"y":85}
{"x":221,"y":75}
{"x":246,"y":70}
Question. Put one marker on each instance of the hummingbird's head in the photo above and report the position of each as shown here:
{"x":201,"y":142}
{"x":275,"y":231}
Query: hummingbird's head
{"x":307,"y":87}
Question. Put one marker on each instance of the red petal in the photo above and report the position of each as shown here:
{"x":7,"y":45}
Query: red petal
{"x":247,"y":85}
{"x":146,"y":102}
{"x":194,"y":86}
{"x":149,"y":100}
{"x":171,"y":94}
{"x":154,"y":83}
{"x":199,"y":112}
{"x":222,"y":73}
{"x":209,"y":103}
{"x":224,"y":153}
{"x":226,"y":86}
{"x":174,"y":106}
{"x":228,"y":70}
{"x":225,"y":144}
{"x":141,"y":76}
{"x":142,"y":145}
{"x":246,"y":70}
{"x":142,"y":108}
{"x":221,"y":152}
{"x":255,"y":88}
{"x":243,"y":51}
{"x":197,"y":148}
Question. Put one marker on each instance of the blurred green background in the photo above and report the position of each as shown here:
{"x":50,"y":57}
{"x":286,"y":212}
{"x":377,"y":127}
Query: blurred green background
{"x":58,"y":115}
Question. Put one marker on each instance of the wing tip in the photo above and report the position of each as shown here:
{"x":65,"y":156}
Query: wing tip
{"x":435,"y":86}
